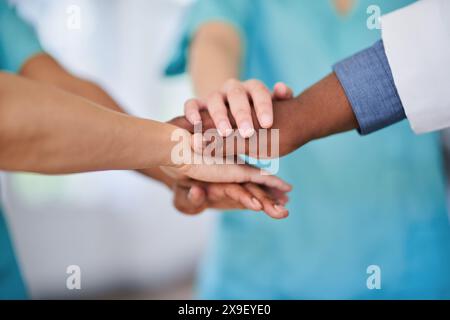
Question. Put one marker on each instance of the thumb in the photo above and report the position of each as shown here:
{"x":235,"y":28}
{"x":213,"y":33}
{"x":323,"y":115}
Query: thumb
{"x":196,"y":196}
{"x":189,"y":202}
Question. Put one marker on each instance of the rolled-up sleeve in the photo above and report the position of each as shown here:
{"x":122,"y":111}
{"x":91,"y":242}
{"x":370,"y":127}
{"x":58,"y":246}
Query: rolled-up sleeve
{"x":368,"y":83}
{"x":18,"y":41}
{"x":233,"y":12}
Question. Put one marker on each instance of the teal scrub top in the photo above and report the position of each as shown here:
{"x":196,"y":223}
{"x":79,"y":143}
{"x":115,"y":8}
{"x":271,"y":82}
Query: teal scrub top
{"x":18,"y":43}
{"x":357,"y":201}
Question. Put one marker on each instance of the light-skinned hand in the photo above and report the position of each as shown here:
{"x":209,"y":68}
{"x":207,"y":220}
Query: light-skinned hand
{"x":239,"y":98}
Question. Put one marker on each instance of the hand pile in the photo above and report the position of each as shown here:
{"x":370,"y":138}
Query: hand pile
{"x":245,"y":106}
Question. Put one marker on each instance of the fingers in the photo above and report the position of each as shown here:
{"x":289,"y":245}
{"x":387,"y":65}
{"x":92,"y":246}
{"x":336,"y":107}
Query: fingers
{"x":236,"y":193}
{"x":240,"y":96}
{"x":262,"y":102}
{"x":196,"y":196}
{"x":238,"y":100}
{"x":246,"y":173}
{"x":278,"y":195}
{"x":273,"y":209}
{"x":189,"y":200}
{"x":262,"y":177}
{"x":219,"y":113}
{"x":192,"y":109}
{"x":231,"y":173}
{"x":282,"y":92}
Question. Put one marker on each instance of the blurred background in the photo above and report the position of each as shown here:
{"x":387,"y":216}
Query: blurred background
{"x":119,"y":227}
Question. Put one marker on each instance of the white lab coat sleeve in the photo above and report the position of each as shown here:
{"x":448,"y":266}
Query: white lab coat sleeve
{"x":417,"y":45}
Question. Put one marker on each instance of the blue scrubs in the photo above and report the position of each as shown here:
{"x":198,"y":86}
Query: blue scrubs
{"x":18,"y":43}
{"x":357,"y":201}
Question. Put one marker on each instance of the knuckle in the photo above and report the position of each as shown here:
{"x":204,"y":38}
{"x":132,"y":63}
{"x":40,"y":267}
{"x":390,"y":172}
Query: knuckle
{"x":231,"y":82}
{"x":213,"y":98}
{"x":191,"y":102}
{"x":237,"y":91}
{"x":258,"y":85}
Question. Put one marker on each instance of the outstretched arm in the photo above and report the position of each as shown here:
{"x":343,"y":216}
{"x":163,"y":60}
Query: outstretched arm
{"x":320,"y":111}
{"x":44,"y":129}
{"x":45,"y":69}
{"x":189,"y":196}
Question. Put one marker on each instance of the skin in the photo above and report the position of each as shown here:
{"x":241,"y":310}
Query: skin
{"x":44,"y":69}
{"x":214,"y":67}
{"x":223,"y":102}
{"x":215,"y":58}
{"x":51,"y":131}
{"x":300,"y":120}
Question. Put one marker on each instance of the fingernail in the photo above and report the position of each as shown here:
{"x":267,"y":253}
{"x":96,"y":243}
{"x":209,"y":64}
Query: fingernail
{"x":281,"y":209}
{"x":266,"y":121}
{"x":224,"y":129}
{"x":189,"y":196}
{"x":246,"y":130}
{"x":256,"y":203}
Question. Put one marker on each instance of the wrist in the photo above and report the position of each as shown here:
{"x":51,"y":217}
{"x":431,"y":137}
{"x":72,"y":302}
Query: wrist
{"x":324,"y":110}
{"x":178,"y":150}
{"x":294,"y":122}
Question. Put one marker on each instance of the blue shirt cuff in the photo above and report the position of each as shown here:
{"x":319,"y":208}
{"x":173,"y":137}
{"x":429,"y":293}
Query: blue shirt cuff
{"x":368,"y":83}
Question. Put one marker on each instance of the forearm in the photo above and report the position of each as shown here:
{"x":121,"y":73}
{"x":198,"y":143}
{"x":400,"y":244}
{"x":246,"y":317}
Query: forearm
{"x":323,"y":110}
{"x":215,"y":56}
{"x":320,"y":111}
{"x":45,"y":69}
{"x":44,"y":129}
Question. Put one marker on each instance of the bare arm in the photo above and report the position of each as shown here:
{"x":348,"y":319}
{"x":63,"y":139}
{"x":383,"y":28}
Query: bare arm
{"x":320,"y":111}
{"x":46,"y":69}
{"x":43,"y":68}
{"x":44,"y":129}
{"x":215,"y":57}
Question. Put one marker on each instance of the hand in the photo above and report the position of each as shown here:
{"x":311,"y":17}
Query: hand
{"x":319,"y":111}
{"x":288,"y":114}
{"x":226,"y":173}
{"x":192,"y":197}
{"x":244,"y":187}
{"x":239,"y":96}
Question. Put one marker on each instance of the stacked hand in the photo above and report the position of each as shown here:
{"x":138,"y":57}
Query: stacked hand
{"x":232,"y":105}
{"x":298,"y":120}
{"x":261,"y":109}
